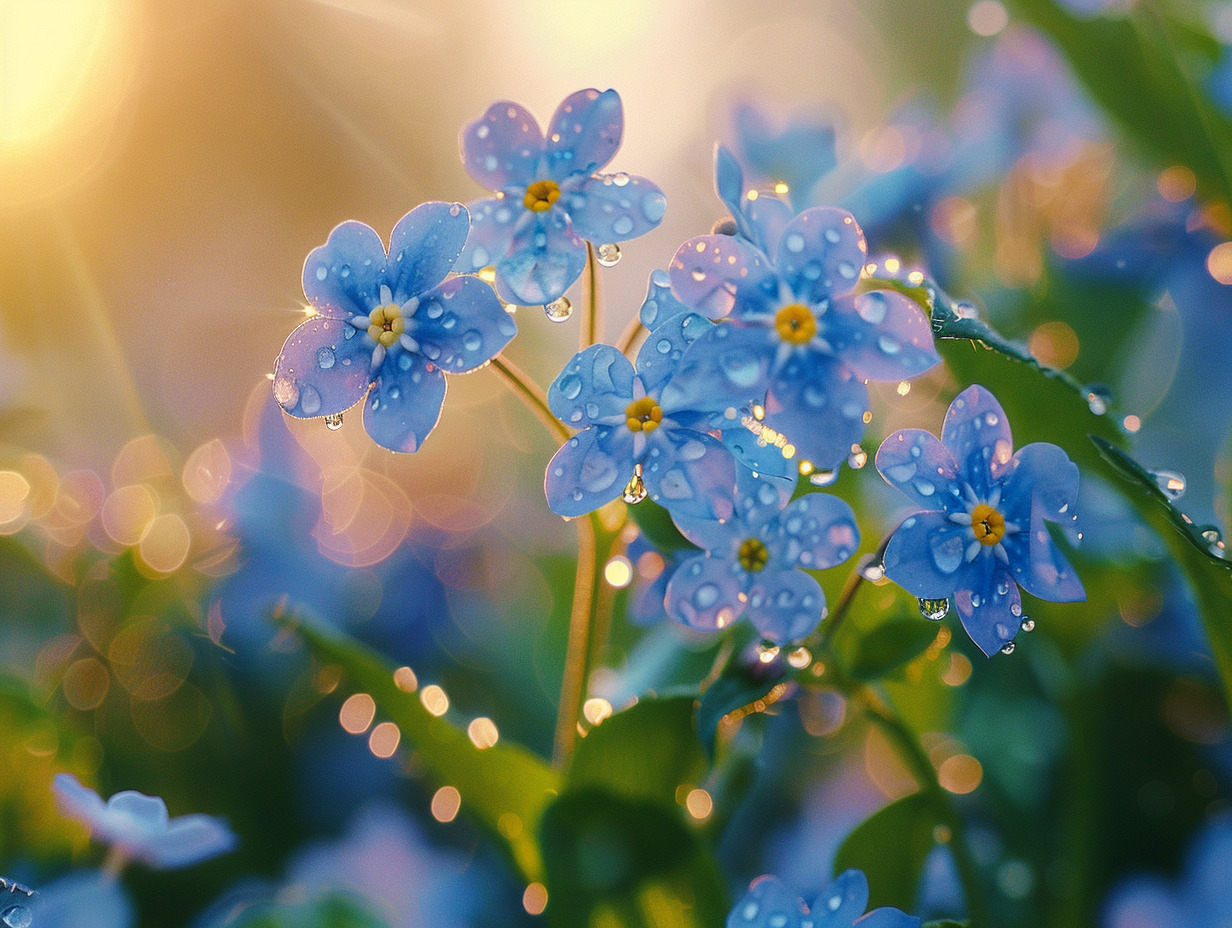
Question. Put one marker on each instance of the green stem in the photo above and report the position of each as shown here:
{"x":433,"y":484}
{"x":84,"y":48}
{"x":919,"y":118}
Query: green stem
{"x":592,"y":320}
{"x":629,"y":336}
{"x":583,"y":617}
{"x":825,"y":635}
{"x":531,"y":396}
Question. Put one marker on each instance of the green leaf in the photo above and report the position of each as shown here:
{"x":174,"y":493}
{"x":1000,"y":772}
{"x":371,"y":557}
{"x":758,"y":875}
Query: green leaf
{"x":647,"y":751}
{"x":890,"y":847}
{"x":1208,"y":572}
{"x":503,"y":780}
{"x":331,"y":911}
{"x":615,"y":862}
{"x":947,"y":923}
{"x":889,"y":646}
{"x":655,"y":523}
{"x":734,"y":690}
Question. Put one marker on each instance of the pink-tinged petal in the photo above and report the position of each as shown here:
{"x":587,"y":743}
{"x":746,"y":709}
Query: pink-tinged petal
{"x":502,"y":147}
{"x":815,"y":532}
{"x":615,"y":207}
{"x":689,"y":472}
{"x":718,"y":275}
{"x":818,"y":404}
{"x":323,"y":369}
{"x":881,"y":334}
{"x":704,"y":593}
{"x":595,"y":387}
{"x":584,"y":133}
{"x":343,"y":277}
{"x":424,"y":247}
{"x":916,"y":463}
{"x":589,"y":471}
{"x":545,"y":258}
{"x":461,"y":325}
{"x":785,"y":605}
{"x":493,"y":223}
{"x":820,"y":254}
{"x":978,"y":435}
{"x":926,"y":556}
{"x":990,"y":608}
{"x":405,"y":403}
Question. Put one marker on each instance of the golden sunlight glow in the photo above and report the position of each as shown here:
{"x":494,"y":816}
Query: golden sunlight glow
{"x":483,"y":733}
{"x":699,"y":804}
{"x":434,"y":699}
{"x":445,"y":804}
{"x":596,"y":709}
{"x":357,"y":713}
{"x":383,"y":741}
{"x":535,"y":899}
{"x":618,"y":571}
{"x":1219,"y":262}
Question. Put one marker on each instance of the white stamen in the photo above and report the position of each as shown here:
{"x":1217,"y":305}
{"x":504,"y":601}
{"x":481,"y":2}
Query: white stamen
{"x":387,"y":295}
{"x":408,"y":343}
{"x":973,"y":550}
{"x":360,"y":322}
{"x":378,"y":355}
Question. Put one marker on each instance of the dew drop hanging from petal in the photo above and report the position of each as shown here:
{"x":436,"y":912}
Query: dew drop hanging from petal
{"x":823,"y":478}
{"x":934,"y":609}
{"x":559,"y":309}
{"x":1007,"y":648}
{"x":1028,"y":624}
{"x":334,"y":422}
{"x":635,"y":489}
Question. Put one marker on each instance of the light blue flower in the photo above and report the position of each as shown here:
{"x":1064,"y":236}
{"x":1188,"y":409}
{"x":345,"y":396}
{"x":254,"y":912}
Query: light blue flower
{"x":982,"y":533}
{"x":549,"y":201}
{"x":769,"y":903}
{"x":138,"y":827}
{"x":797,"y":341}
{"x":392,"y":323}
{"x":749,"y":565}
{"x":799,"y":154}
{"x":87,"y":897}
{"x":628,"y":432}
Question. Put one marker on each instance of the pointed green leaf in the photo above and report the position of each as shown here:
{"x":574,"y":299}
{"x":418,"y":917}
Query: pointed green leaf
{"x":890,"y":847}
{"x":889,"y":646}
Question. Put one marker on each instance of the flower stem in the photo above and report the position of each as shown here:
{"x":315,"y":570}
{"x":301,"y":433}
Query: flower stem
{"x":531,"y":395}
{"x":629,"y":336}
{"x":848,"y":596}
{"x":592,"y":319}
{"x":114,"y":863}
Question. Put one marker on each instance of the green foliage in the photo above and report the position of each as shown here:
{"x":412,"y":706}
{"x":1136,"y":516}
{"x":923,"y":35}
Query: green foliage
{"x":890,"y":847}
{"x":331,"y":911}
{"x":890,"y":646}
{"x":733,"y":690}
{"x":657,"y":525}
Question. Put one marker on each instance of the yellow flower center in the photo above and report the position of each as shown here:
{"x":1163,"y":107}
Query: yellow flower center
{"x":988,"y":524}
{"x":752,"y":555}
{"x":643,"y":415}
{"x":796,"y":324}
{"x":541,"y":195}
{"x":385,"y":324}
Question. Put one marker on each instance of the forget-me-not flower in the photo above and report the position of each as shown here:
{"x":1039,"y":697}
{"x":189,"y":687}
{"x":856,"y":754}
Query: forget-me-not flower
{"x":982,"y":533}
{"x":549,"y":199}
{"x":769,"y":903}
{"x":139,"y":828}
{"x":390,"y":322}
{"x":749,"y":562}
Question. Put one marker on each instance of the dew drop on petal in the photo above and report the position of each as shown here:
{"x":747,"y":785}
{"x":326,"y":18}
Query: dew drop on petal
{"x":16,"y":916}
{"x":1099,"y":398}
{"x":934,"y":609}
{"x":325,"y":358}
{"x":832,"y":236}
{"x":622,"y":226}
{"x":559,"y":309}
{"x":334,"y":422}
{"x":705,"y":596}
{"x":872,"y":569}
{"x":309,"y":400}
{"x":608,"y":254}
{"x":823,"y":478}
{"x":1028,"y":624}
{"x":1007,"y":648}
{"x":794,"y":243}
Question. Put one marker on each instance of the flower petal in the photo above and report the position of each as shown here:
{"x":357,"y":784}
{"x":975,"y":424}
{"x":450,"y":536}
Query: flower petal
{"x":589,"y":471}
{"x":990,"y":607}
{"x":820,"y":254}
{"x":881,"y":334}
{"x":768,"y":904}
{"x":343,"y":277}
{"x":584,"y":133}
{"x":719,"y":274}
{"x":77,"y":801}
{"x":842,"y":902}
{"x":785,"y":605}
{"x":926,"y":556}
{"x":815,"y":532}
{"x":502,"y":147}
{"x":1043,"y":478}
{"x":660,"y":304}
{"x":978,"y":435}
{"x":819,"y":404}
{"x":461,"y":325}
{"x":595,"y":387}
{"x":405,"y":403}
{"x":704,"y":593}
{"x":760,"y":457}
{"x":323,"y":368}
{"x":1039,"y":566}
{"x":887,"y":917}
{"x":767,"y":218}
{"x":615,"y":207}
{"x":545,"y":258}
{"x":492,"y":226}
{"x":424,"y":246}
{"x":915,"y":462}
{"x":726,"y":367}
{"x":661,"y":352}
{"x":689,"y":472}
{"x":191,"y":839}
{"x":130,"y":810}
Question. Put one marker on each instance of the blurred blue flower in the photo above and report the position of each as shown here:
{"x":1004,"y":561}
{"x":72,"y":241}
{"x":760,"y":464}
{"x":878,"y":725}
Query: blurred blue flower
{"x":549,"y":201}
{"x":138,"y":827}
{"x":749,"y":565}
{"x":769,"y":903}
{"x":1200,"y":899}
{"x":797,"y":342}
{"x":982,"y":532}
{"x":799,"y":154}
{"x":88,"y":897}
{"x":630,"y":433}
{"x":387,"y":321}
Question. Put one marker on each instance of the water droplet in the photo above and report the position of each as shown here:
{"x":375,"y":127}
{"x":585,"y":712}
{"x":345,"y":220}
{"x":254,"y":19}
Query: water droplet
{"x":1028,"y":624}
{"x":322,"y":272}
{"x":799,"y":658}
{"x":832,"y":236}
{"x":1171,"y":483}
{"x":847,"y":269}
{"x":966,"y":310}
{"x":1099,"y":398}
{"x":871,"y":569}
{"x":334,"y":422}
{"x":455,"y":208}
{"x":472,"y":340}
{"x":823,"y":478}
{"x":559,"y":309}
{"x":608,"y":254}
{"x":635,"y":489}
{"x":622,"y":226}
{"x":794,"y":243}
{"x":705,"y":596}
{"x":16,"y":916}
{"x":1007,"y":648}
{"x":1214,"y":540}
{"x":858,"y":457}
{"x":934,"y":609}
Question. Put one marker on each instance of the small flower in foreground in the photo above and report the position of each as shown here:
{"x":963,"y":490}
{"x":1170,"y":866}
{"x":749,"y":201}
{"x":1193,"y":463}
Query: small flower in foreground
{"x":769,"y":903}
{"x":549,"y":201}
{"x":982,"y":534}
{"x":139,"y":828}
{"x":387,"y":321}
{"x":749,"y":565}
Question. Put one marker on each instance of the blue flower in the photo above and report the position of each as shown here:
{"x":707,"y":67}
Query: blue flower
{"x":392,"y":323}
{"x":749,"y":565}
{"x":87,"y":897}
{"x":982,"y":533}
{"x":1200,"y":899}
{"x":799,"y":155}
{"x":769,"y":903}
{"x":630,"y":434}
{"x":797,"y":341}
{"x":138,"y":827}
{"x":549,"y":201}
